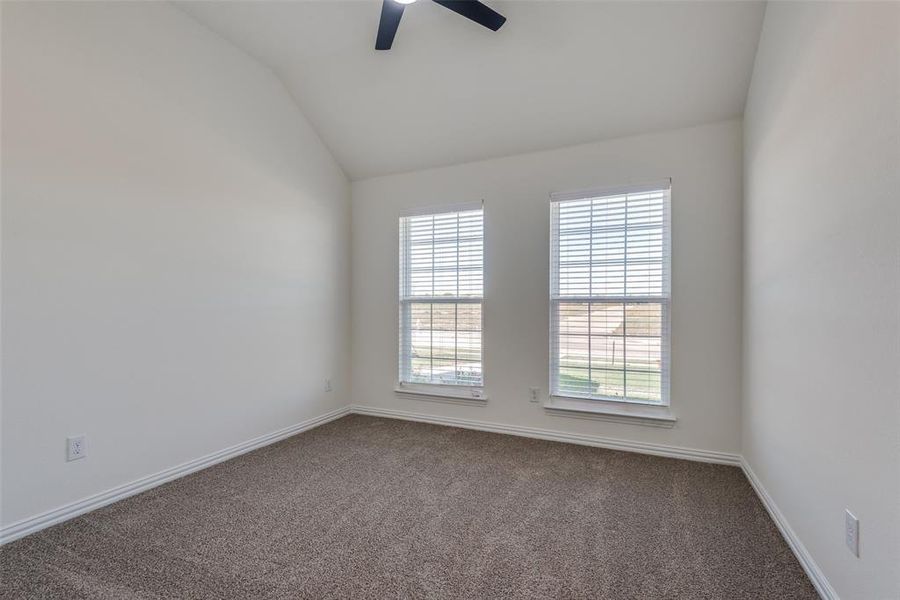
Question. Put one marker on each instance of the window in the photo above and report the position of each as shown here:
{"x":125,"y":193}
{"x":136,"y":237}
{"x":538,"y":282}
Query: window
{"x":441,"y":289}
{"x":609,"y":295}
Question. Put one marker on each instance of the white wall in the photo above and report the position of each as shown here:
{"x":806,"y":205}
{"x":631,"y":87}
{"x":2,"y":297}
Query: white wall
{"x":175,"y":250}
{"x":705,"y":166}
{"x":821,"y":413}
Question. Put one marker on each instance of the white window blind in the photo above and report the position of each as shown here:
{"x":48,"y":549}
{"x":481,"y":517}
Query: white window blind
{"x":441,"y":292}
{"x":610,"y":294}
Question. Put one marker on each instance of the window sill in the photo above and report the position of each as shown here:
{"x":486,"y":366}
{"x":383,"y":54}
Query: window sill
{"x":616,"y":412}
{"x":454,"y":394}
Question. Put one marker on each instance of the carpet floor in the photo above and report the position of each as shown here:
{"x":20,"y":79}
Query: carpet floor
{"x":374,"y":508}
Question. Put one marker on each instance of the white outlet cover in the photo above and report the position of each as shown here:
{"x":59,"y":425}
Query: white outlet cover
{"x":76,"y":447}
{"x":851,"y":532}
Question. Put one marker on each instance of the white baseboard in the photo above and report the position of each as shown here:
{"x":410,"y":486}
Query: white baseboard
{"x":30,"y":525}
{"x":813,"y":571}
{"x":709,"y":456}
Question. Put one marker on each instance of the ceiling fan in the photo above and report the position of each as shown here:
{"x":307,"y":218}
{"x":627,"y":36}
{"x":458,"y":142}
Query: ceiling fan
{"x":392,"y":10}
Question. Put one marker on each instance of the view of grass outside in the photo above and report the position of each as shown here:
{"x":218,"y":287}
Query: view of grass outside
{"x":641,"y":385}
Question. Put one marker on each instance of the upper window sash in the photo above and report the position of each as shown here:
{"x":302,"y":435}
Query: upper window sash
{"x":611,"y":243}
{"x":442,"y":255}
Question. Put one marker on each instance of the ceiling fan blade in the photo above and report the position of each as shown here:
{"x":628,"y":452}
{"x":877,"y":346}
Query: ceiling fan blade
{"x":391,"y":11}
{"x":476,"y":11}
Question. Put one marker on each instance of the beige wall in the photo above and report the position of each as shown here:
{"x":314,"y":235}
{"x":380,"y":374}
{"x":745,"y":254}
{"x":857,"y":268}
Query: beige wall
{"x":705,"y":166}
{"x":821,"y":414}
{"x":175,"y":250}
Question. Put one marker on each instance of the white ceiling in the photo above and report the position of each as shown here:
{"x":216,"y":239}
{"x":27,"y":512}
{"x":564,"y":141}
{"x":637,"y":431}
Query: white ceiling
{"x":558,"y":73}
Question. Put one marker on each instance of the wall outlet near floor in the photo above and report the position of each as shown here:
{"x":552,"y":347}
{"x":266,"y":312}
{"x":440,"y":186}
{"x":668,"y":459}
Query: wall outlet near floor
{"x":75,"y":447}
{"x":327,"y":385}
{"x":535,"y":394}
{"x":851,"y":532}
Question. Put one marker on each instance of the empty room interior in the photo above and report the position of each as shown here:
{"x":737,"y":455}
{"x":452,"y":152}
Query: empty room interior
{"x":540,"y":299}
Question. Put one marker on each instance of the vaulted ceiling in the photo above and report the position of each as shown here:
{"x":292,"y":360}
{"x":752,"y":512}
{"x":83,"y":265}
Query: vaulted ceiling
{"x":557,"y":73}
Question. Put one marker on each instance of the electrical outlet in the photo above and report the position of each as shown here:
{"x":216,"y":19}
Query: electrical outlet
{"x":327,"y":385}
{"x":75,"y":448}
{"x":535,"y":393}
{"x":851,"y":532}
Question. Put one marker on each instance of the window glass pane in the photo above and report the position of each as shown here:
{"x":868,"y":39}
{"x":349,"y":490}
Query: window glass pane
{"x":575,"y":382}
{"x":573,"y":318}
{"x":607,"y":352}
{"x":643,"y":386}
{"x":573,"y":351}
{"x":468,"y":372}
{"x":609,"y":383}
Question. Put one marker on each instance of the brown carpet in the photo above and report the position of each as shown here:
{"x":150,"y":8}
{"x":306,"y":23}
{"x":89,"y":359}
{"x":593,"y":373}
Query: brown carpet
{"x":376,"y":508}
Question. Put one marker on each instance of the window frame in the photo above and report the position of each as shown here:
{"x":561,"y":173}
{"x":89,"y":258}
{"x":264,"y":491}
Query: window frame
{"x":437,"y":390}
{"x":623,"y":405}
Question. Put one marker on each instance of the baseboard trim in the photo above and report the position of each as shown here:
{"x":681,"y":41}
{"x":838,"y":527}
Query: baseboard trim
{"x":709,"y":456}
{"x":818,"y":579}
{"x":33,"y":524}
